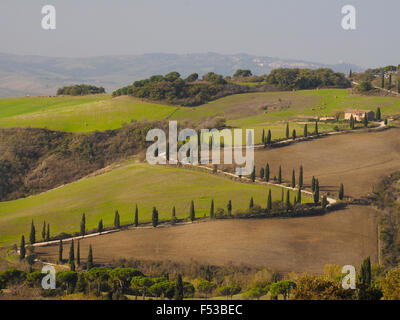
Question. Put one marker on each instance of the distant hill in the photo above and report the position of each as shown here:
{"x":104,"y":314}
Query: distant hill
{"x":37,"y":75}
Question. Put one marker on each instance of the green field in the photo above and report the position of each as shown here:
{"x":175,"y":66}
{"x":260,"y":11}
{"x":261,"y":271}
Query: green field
{"x":78,"y":114}
{"x":262,"y":110}
{"x":120,"y":189}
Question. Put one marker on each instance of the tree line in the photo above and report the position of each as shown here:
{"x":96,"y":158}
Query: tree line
{"x":80,"y":90}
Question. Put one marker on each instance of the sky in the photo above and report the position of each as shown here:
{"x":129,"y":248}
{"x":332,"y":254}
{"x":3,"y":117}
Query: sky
{"x":294,"y":29}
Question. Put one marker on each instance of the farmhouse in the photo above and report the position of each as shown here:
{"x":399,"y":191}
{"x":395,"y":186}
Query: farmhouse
{"x":327,"y":119}
{"x":359,"y":114}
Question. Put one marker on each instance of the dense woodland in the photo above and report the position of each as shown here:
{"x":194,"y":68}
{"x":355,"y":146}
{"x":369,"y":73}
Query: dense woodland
{"x":80,"y":90}
{"x":192,"y":92}
{"x":35,"y":160}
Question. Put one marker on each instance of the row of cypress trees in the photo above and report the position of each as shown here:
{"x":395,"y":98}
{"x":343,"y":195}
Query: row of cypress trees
{"x":267,"y":139}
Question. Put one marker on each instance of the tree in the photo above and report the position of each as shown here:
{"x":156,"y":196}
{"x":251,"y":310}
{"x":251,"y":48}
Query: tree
{"x":378,"y":114}
{"x":390,"y":82}
{"x":22,"y":250}
{"x":100,"y":228}
{"x":299,"y":195}
{"x":293,"y":179}
{"x":32,"y":235}
{"x":287,"y":130}
{"x":398,"y":86}
{"x":364,"y":276}
{"x":262,"y":173}
{"x":44,"y":231}
{"x":305,"y":130}
{"x":83,"y":225}
{"x":173,"y":218}
{"x":229,"y":207}
{"x":263,"y":137}
{"x":288,"y":204}
{"x":365,"y":120}
{"x":268,"y":140}
{"x":78,"y":254}
{"x":301,"y":177}
{"x":212,"y":209}
{"x":341,"y":191}
{"x":256,"y":293}
{"x":316,"y":192}
{"x":60,"y":251}
{"x":206,"y":287}
{"x":136,"y":222}
{"x":154,"y":217}
{"x":280,"y":175}
{"x":269,"y":204}
{"x":267,"y":173}
{"x":229,"y":290}
{"x":350,"y":74}
{"x":313,"y":184}
{"x":192,"y":211}
{"x":294,"y":134}
{"x":324,"y":202}
{"x":179,"y":294}
{"x":71,"y":259}
{"x":48,"y":233}
{"x":117,"y":224}
{"x":352,"y":122}
{"x":251,"y":204}
{"x":90,"y":258}
{"x":316,"y":128}
{"x":391,"y":285}
{"x":283,"y":288}
{"x":253,"y":174}
{"x":383,"y":79}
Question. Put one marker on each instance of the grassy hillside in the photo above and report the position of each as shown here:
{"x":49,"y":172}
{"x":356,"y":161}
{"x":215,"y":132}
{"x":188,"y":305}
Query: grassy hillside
{"x":78,"y":114}
{"x":263,"y":110}
{"x":121,"y":188}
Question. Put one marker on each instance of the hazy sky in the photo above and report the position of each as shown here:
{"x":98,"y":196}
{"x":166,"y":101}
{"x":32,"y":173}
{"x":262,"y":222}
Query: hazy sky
{"x":300,"y":29}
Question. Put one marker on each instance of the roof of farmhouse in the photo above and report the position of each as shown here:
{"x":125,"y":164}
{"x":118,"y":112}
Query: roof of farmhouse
{"x":358,"y":111}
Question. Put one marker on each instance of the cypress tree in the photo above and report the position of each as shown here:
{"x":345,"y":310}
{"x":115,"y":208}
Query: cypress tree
{"x":78,"y":254}
{"x":316,"y":128}
{"x":378,"y":114}
{"x":305,"y":130}
{"x":117,"y":224}
{"x":287,"y":130}
{"x":269,"y":204}
{"x":71,"y":259}
{"x":179,"y":295}
{"x":301,"y":177}
{"x":390,"y":82}
{"x":294,"y":134}
{"x":365,"y":273}
{"x":167,"y":152}
{"x":136,"y":222}
{"x":90,"y":258}
{"x":341,"y":191}
{"x":269,"y":137}
{"x":280,"y":175}
{"x":324,"y":202}
{"x":32,"y":236}
{"x":251,"y":204}
{"x":60,"y":251}
{"x":100,"y":227}
{"x":267,"y":173}
{"x":173,"y":219}
{"x":288,"y":204}
{"x":262,"y":173}
{"x":48,"y":233}
{"x":83,"y":225}
{"x":299,"y":195}
{"x":154,"y":217}
{"x":398,"y":86}
{"x":212,"y":209}
{"x":350,"y":73}
{"x":313,"y":184}
{"x":351,"y":122}
{"x":229,"y":207}
{"x":383,"y":79}
{"x":365,"y":120}
{"x":293,"y":179}
{"x":192,"y":212}
{"x":282,"y":196}
{"x":44,"y":231}
{"x":316,"y":192}
{"x":253,"y":174}
{"x":22,"y":250}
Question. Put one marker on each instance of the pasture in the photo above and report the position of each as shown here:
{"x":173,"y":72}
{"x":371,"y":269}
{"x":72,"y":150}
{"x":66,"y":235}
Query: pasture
{"x":120,"y":189}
